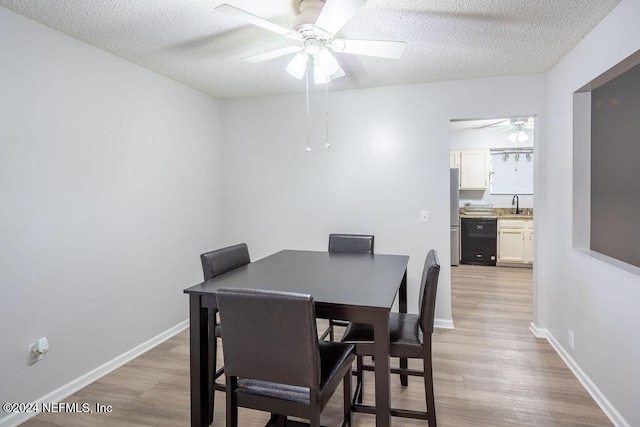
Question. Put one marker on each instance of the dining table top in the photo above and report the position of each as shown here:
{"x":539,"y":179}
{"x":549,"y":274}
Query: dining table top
{"x":365,"y":280}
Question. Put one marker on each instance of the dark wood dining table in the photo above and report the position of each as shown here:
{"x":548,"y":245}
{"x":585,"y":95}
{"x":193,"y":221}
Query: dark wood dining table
{"x":345,"y":286}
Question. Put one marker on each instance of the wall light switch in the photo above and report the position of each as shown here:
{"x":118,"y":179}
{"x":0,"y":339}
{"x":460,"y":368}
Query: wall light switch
{"x":424,"y":216}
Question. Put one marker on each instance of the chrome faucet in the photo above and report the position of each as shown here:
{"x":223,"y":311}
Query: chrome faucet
{"x":516,"y":201}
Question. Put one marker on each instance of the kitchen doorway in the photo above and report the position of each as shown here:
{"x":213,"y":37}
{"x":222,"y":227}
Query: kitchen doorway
{"x":492,"y":193}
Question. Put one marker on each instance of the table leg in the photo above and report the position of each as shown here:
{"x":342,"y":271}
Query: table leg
{"x":211,"y":363}
{"x":383,"y":387}
{"x":199,"y":362}
{"x":402,"y":305}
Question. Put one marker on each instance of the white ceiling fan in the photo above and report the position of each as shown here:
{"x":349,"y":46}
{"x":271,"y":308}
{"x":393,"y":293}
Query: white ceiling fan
{"x":516,"y":127}
{"x":314,"y":29}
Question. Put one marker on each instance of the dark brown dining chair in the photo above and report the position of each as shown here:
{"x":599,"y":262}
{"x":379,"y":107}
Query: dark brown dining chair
{"x":410,"y":336}
{"x":273,"y":359}
{"x":351,"y":243}
{"x":216,"y":263}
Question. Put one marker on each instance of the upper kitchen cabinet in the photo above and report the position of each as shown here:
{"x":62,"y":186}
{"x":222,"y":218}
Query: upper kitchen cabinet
{"x":474,"y":169}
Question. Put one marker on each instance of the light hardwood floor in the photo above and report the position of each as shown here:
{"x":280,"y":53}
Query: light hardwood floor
{"x":488,"y":371}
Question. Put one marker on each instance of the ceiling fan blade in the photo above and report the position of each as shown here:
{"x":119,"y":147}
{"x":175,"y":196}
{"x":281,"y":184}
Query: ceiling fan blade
{"x":496,"y":124}
{"x":227,"y":9}
{"x":272,"y":54}
{"x":336,"y":13}
{"x":378,"y":48}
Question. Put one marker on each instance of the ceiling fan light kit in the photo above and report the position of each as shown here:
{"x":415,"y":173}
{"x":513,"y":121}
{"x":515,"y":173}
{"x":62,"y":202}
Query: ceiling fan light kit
{"x":518,"y":125}
{"x":518,"y":136}
{"x":298,"y":65}
{"x":314,"y":29}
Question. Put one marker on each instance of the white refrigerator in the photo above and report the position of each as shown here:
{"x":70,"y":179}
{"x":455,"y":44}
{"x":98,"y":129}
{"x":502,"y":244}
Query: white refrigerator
{"x":455,"y":216}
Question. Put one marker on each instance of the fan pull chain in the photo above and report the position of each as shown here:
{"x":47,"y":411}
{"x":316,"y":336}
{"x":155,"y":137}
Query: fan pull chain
{"x":308,"y":145}
{"x":326,"y":102}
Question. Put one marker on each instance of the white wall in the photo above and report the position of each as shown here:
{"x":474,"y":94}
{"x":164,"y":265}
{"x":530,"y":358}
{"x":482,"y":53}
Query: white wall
{"x":109,"y":191}
{"x":389,"y":159}
{"x":595,"y":300}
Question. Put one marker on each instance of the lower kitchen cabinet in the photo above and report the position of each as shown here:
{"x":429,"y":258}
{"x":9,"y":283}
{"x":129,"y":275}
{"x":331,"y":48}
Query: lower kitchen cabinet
{"x":515,"y":241}
{"x":528,"y":246}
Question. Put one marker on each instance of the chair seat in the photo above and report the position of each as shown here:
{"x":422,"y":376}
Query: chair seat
{"x":403,"y":329}
{"x":333,"y":356}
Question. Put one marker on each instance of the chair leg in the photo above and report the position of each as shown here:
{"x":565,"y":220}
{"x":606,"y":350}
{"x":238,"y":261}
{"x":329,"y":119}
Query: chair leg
{"x":359,"y":379}
{"x":277,"y":420}
{"x":428,"y":382}
{"x":331,"y":332}
{"x":404,"y":365}
{"x":347,"y":398}
{"x":232,"y":402}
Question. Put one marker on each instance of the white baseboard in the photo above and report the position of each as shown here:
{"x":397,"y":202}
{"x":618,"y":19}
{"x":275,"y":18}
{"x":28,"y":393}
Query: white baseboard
{"x":609,"y":410}
{"x":68,"y":389}
{"x":443,"y":323}
{"x":537,"y":332}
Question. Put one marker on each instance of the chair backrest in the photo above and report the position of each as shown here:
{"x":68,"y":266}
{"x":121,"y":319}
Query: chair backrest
{"x":220,"y":261}
{"x":270,"y":336}
{"x":428,"y":289}
{"x":356,"y":243}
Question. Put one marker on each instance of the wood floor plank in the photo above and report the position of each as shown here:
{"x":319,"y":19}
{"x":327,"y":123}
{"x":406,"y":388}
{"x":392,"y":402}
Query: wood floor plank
{"x":488,"y":371}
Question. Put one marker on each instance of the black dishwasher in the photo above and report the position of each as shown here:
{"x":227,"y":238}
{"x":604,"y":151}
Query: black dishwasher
{"x":479,"y":237}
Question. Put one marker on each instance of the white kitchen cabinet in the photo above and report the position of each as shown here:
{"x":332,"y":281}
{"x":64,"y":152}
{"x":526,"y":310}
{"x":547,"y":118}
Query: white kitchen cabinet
{"x":515,"y":241}
{"x":511,"y":245}
{"x":474,"y":169}
{"x":528,"y":245}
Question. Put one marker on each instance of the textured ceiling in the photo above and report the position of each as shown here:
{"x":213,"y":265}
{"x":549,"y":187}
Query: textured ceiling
{"x":192,"y":43}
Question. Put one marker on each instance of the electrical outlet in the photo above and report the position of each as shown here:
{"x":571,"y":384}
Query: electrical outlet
{"x":571,"y":340}
{"x":33,"y":357}
{"x":37,"y":350}
{"x":424,"y":216}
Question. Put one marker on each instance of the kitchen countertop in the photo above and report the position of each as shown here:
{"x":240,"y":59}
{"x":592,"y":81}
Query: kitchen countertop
{"x":499,"y":213}
{"x":508,"y":216}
